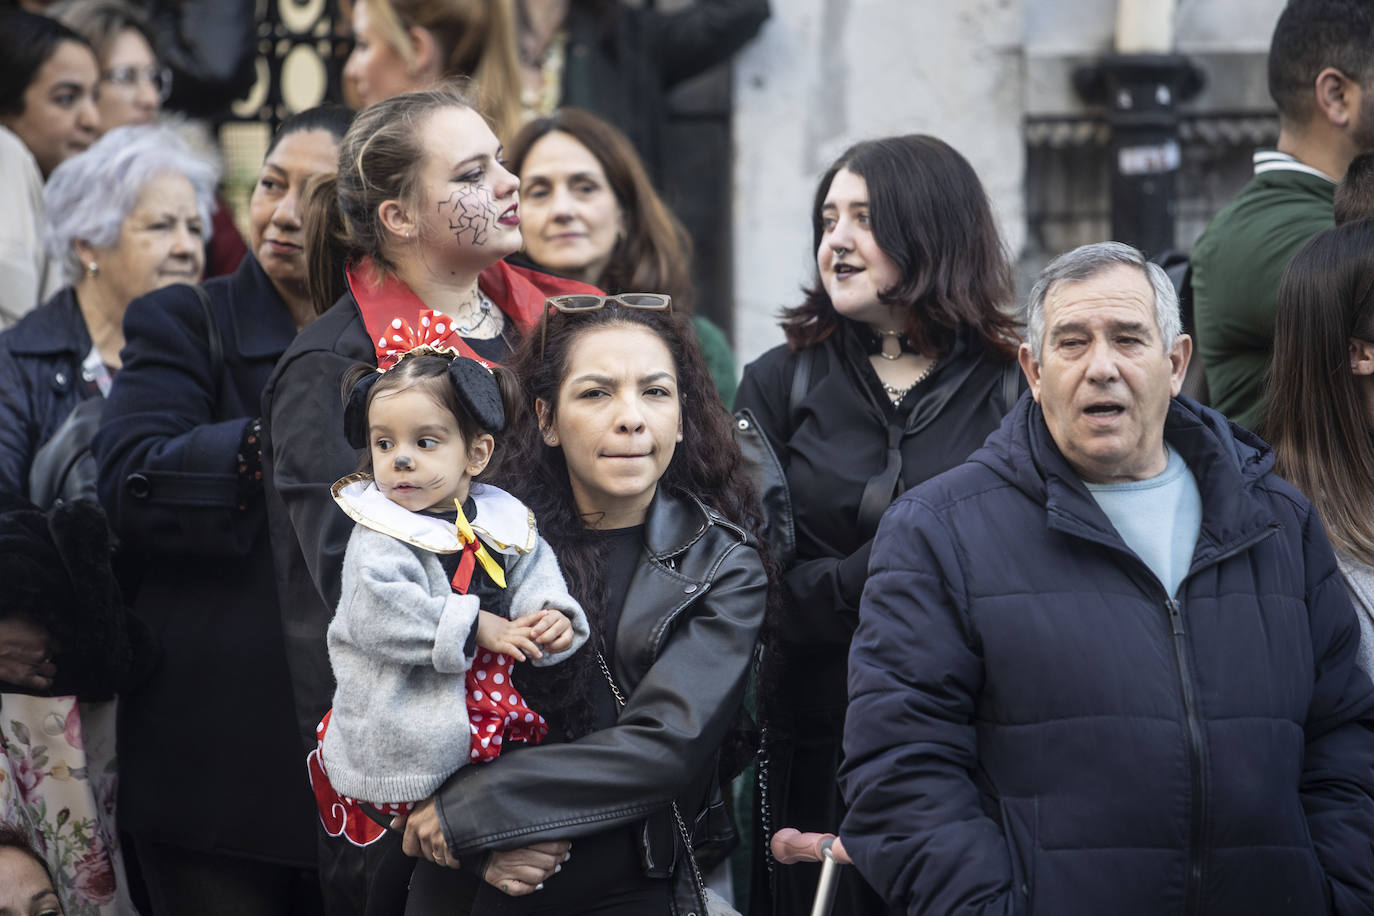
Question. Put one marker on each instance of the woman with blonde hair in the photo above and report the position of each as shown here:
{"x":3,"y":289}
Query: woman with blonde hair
{"x":406,"y":45}
{"x":406,"y":247}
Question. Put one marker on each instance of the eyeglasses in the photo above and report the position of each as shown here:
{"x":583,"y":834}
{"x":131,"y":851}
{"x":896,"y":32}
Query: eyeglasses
{"x":128,"y":78}
{"x":581,"y":303}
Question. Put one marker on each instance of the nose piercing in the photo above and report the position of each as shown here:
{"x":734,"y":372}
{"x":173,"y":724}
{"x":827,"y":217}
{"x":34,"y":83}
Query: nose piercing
{"x":403,"y":462}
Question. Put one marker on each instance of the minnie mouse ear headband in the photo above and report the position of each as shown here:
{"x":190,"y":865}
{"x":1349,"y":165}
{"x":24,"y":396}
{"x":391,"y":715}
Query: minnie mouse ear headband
{"x":473,"y":384}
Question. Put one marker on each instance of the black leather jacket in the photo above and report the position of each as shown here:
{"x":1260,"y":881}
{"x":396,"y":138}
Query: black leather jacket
{"x":683,"y":649}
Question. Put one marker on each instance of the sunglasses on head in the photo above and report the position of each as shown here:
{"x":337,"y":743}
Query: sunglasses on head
{"x":581,"y":303}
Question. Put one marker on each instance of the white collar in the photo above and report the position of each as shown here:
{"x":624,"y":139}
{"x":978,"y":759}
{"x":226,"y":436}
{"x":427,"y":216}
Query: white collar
{"x":504,"y":523}
{"x":1271,"y":160}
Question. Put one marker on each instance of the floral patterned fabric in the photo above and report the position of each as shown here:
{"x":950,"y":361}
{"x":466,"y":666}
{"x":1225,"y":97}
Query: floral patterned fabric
{"x":57,"y":782}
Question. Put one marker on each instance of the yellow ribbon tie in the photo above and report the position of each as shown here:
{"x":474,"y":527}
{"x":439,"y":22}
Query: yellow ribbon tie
{"x":467,"y":536}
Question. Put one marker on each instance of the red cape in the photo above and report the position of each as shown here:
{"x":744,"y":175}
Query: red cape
{"x":396,"y":319}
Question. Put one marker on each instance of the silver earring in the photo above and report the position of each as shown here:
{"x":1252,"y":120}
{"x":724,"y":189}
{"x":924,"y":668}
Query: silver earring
{"x":92,"y":268}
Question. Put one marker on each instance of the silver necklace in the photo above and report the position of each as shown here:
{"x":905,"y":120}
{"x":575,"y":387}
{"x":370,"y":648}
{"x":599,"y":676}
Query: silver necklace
{"x":486,"y":310}
{"x":896,"y":394}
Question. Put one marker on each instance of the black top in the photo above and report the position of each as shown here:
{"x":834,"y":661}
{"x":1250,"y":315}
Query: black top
{"x":491,"y":597}
{"x":168,"y":450}
{"x":620,"y":550}
{"x":605,"y":867}
{"x":838,"y":440}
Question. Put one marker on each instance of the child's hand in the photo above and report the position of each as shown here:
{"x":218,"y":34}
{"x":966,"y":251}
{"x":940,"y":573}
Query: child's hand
{"x":509,"y":637}
{"x":553,"y":631}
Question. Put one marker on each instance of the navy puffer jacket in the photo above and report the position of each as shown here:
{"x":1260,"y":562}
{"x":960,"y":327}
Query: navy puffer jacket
{"x":1036,"y":727}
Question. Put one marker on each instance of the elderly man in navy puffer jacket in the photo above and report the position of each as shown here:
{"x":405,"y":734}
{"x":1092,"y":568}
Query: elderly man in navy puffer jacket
{"x":1107,"y":666}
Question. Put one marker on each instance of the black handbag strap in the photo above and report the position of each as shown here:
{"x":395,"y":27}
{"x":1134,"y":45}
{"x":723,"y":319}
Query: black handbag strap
{"x":214,"y":345}
{"x":801,"y":383}
{"x":1011,"y":385}
{"x":882,"y":487}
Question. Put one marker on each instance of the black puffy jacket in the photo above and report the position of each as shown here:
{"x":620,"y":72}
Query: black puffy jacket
{"x":1037,"y":727}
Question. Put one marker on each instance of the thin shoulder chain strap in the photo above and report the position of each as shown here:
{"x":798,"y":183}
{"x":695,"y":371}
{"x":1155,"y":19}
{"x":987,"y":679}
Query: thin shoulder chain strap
{"x":677,"y":814}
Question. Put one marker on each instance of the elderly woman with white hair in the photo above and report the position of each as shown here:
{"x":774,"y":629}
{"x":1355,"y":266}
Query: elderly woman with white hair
{"x":125,"y":217}
{"x":212,"y":786}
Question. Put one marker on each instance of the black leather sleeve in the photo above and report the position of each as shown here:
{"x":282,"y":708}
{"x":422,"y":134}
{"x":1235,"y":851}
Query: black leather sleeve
{"x":665,"y":739}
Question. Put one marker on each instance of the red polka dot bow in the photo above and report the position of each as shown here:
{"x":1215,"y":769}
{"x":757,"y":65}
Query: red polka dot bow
{"x":399,"y":337}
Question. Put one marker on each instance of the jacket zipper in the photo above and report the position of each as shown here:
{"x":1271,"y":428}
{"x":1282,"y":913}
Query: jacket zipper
{"x":1197,"y":746}
{"x":1197,"y":766}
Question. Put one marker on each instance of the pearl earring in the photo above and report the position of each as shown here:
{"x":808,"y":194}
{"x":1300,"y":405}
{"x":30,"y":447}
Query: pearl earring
{"x":92,"y":268}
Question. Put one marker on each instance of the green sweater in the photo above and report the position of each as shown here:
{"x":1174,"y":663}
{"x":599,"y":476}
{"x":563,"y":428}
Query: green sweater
{"x":1237,"y":265}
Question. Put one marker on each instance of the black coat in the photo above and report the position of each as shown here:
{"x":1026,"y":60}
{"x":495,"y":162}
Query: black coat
{"x":838,"y":440}
{"x":1036,"y":726}
{"x":620,"y":64}
{"x":683,"y":649}
{"x":40,"y":382}
{"x":209,"y":758}
{"x":305,"y":451}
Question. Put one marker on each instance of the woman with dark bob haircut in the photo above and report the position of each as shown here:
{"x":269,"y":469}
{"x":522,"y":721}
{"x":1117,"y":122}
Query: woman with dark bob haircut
{"x":1319,"y":413}
{"x":627,"y":459}
{"x":897,"y":365}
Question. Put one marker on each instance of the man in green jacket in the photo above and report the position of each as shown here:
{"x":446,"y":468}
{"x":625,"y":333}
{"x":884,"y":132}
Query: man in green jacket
{"x":1321,"y":77}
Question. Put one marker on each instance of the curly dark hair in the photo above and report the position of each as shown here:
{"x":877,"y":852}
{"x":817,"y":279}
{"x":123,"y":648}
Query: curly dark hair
{"x":706,"y":464}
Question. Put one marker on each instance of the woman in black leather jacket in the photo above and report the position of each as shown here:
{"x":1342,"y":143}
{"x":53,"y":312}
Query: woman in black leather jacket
{"x":896,"y":367}
{"x":631,"y":470}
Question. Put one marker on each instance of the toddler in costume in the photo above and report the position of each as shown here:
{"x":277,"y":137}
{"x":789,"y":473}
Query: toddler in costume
{"x":446,"y":584}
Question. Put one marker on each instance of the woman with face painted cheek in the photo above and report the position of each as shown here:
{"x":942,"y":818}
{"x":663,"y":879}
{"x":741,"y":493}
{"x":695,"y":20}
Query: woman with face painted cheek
{"x":406,"y":247}
{"x":48,"y":77}
{"x":590,"y":212}
{"x":897,"y":366}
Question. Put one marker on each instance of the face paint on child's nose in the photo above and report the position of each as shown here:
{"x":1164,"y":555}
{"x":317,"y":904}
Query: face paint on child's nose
{"x":403,"y":462}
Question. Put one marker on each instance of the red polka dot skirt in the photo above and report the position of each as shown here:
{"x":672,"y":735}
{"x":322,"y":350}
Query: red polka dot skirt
{"x":496,"y":711}
{"x":496,"y":714}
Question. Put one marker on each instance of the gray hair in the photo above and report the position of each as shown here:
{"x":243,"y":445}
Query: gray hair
{"x":88,"y":196}
{"x":1087,"y":261}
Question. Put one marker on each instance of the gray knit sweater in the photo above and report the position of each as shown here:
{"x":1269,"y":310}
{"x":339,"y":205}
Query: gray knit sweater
{"x":399,"y":726}
{"x":1359,"y":581}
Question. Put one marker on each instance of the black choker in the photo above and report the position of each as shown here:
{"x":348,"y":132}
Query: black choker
{"x":889,"y":344}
